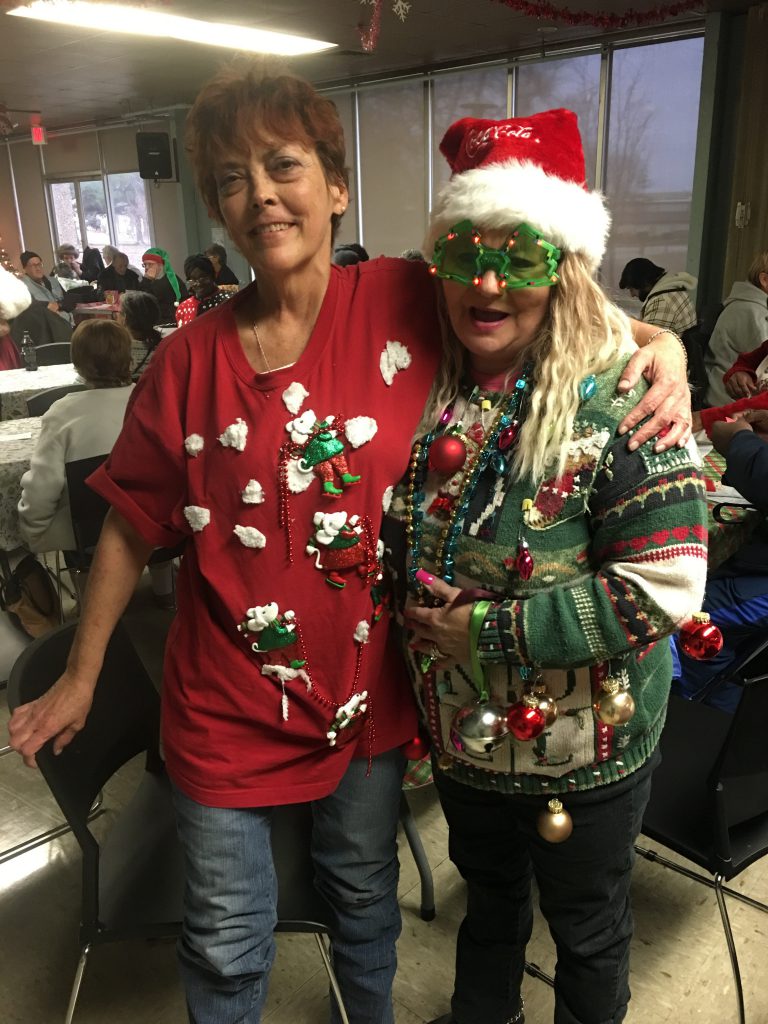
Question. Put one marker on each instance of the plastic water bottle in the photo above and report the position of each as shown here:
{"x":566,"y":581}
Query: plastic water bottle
{"x":28,"y":353}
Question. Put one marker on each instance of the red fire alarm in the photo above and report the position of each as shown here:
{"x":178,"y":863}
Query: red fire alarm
{"x":39,"y":136}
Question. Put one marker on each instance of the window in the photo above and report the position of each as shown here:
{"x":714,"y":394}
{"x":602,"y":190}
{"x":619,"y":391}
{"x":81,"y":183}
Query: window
{"x":481,"y":92}
{"x":650,"y":156}
{"x":572,"y":82}
{"x":130,"y":215}
{"x":82,"y":215}
{"x":393,"y":157}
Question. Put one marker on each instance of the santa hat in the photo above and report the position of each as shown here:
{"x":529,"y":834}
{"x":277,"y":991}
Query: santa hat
{"x":522,"y":170}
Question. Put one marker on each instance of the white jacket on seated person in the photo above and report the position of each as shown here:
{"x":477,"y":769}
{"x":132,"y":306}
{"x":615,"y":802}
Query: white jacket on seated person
{"x":78,"y":426}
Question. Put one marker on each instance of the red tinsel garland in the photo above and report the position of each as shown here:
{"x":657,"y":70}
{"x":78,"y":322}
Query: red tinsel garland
{"x":599,"y":19}
{"x":369,"y":36}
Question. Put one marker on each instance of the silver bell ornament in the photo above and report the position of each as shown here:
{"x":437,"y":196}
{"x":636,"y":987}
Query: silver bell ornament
{"x":479,"y":729}
{"x":615,"y":705}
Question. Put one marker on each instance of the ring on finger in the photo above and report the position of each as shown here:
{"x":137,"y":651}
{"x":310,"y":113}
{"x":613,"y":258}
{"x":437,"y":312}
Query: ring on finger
{"x":436,"y":654}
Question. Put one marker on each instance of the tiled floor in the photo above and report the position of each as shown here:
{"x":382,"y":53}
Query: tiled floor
{"x":681,"y":972}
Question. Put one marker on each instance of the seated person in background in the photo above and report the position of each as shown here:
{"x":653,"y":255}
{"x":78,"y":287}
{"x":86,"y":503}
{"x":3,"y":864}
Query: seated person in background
{"x":49,"y":292}
{"x":201,"y":281}
{"x":416,"y":255}
{"x":14,"y":299}
{"x":217,"y":254}
{"x":665,"y":298}
{"x":140,"y":314}
{"x":92,"y":264}
{"x":741,"y":327}
{"x":160,"y":280}
{"x":746,"y":382}
{"x":68,"y":253}
{"x":78,"y":426}
{"x":349,"y":253}
{"x":736,"y":595}
{"x":117,"y":277}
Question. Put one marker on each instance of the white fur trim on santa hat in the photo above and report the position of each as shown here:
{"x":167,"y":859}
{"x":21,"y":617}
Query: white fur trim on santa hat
{"x":514,"y":192}
{"x":14,"y":295}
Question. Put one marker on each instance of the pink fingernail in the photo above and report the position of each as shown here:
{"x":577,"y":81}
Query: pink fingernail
{"x":425,"y":577}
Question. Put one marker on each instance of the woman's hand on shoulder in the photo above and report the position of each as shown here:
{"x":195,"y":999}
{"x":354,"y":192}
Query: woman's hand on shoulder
{"x":668,"y":400}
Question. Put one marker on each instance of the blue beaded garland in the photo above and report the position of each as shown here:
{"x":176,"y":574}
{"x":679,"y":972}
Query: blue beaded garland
{"x":489,"y":455}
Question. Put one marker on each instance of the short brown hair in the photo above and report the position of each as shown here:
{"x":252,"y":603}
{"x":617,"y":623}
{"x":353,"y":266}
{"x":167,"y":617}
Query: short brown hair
{"x":247,"y":100}
{"x":758,"y":266}
{"x":101,"y":352}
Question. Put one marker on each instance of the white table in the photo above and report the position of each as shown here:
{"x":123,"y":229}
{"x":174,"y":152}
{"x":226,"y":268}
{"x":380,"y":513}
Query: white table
{"x":16,"y":386}
{"x":17,"y":442}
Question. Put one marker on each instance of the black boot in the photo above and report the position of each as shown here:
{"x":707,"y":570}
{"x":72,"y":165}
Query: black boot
{"x":447,"y":1018}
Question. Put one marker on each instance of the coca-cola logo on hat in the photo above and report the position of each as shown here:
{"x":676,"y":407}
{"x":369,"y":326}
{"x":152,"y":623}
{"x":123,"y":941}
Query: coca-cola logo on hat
{"x":479,"y":139}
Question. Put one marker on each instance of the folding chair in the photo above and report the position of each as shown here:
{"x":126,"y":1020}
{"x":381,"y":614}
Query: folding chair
{"x":56,"y":352}
{"x":709,"y":801}
{"x":133,"y":882}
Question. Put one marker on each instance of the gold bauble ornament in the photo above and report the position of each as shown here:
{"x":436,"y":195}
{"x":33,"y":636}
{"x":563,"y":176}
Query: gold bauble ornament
{"x":547,"y":705}
{"x":445,"y":762}
{"x":554,"y":823}
{"x":615,"y":705}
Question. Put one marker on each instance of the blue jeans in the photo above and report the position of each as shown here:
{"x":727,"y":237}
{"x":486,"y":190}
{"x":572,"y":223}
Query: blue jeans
{"x":583,"y":894}
{"x":227,"y":945}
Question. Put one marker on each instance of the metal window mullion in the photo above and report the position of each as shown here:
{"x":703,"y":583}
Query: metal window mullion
{"x":429,"y":127}
{"x":16,"y":197}
{"x":53,"y":227}
{"x":107,"y":193}
{"x":358,"y":164}
{"x":512,"y":88}
{"x":603,"y":116}
{"x":80,"y":213}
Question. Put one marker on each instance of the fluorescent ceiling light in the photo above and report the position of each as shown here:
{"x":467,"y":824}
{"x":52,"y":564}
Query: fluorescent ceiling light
{"x":143,"y":21}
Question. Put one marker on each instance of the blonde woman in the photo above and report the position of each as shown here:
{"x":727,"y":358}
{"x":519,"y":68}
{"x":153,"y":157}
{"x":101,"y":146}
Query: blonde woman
{"x":546,"y":558}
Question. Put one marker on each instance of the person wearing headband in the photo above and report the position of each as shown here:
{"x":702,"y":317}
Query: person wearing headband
{"x":543,"y":565}
{"x":160,"y":280}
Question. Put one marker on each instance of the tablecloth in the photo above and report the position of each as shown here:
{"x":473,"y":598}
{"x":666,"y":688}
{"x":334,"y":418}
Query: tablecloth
{"x":17,"y":442}
{"x":16,"y":386}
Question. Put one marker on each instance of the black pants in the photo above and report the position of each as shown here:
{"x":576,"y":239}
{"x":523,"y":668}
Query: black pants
{"x":583,"y":893}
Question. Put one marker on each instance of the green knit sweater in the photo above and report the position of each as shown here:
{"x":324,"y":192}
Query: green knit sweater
{"x":618,"y":542}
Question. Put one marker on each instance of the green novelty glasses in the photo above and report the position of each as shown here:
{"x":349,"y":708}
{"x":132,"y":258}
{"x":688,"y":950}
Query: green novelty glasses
{"x":526,"y":260}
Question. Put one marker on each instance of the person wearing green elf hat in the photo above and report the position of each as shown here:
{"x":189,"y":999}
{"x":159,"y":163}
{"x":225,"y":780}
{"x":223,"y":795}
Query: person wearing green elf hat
{"x":161,"y":281}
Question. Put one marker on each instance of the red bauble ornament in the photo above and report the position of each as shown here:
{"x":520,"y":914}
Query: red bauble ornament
{"x":700,"y":638}
{"x":524,"y":561}
{"x":416,"y":749}
{"x":525,"y":719}
{"x":447,"y":454}
{"x":508,"y":435}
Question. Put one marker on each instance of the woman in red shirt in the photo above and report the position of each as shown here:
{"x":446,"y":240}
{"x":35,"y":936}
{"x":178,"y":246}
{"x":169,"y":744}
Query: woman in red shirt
{"x":268,"y":435}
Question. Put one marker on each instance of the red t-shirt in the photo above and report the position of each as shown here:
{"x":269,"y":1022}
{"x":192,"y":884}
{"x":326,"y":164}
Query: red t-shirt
{"x":199,"y":460}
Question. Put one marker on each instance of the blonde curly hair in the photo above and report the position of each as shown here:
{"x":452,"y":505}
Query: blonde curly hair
{"x":583,"y":333}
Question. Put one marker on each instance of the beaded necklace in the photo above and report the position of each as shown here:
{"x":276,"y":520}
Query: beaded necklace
{"x":501,"y":435}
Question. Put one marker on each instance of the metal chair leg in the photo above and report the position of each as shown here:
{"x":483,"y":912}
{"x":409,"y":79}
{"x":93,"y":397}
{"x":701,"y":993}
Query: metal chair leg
{"x":50,"y":834}
{"x":534,"y":971}
{"x":334,"y":981}
{"x":408,"y":822}
{"x":731,"y":945}
{"x":77,"y":982}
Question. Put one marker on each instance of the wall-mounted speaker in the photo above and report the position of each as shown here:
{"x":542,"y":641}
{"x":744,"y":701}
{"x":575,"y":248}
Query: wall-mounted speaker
{"x":154,"y":153}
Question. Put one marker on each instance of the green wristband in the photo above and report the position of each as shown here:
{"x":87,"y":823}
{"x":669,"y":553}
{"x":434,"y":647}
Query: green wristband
{"x":479,"y":611}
